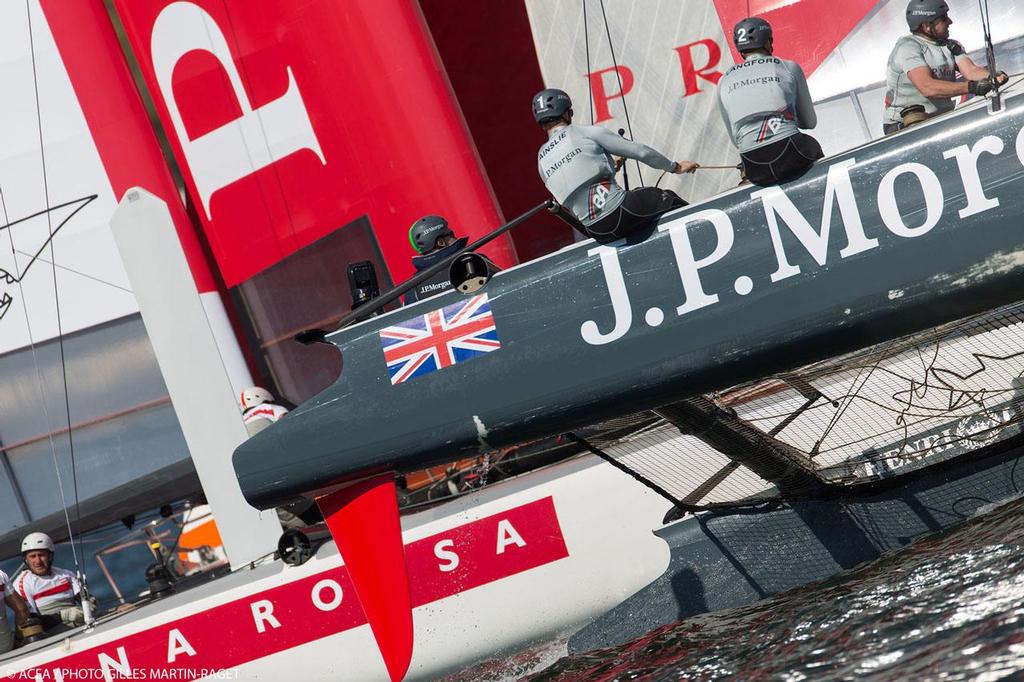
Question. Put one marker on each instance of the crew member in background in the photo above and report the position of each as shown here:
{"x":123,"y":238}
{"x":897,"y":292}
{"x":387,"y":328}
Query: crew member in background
{"x":921,"y":77}
{"x":17,"y":604}
{"x":52,"y":593}
{"x":259,"y":410}
{"x":576,"y":166}
{"x":434,"y":241}
{"x":764,"y":102}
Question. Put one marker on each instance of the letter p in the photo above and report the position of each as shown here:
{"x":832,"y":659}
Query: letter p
{"x":601,"y":96}
{"x":260,"y":137}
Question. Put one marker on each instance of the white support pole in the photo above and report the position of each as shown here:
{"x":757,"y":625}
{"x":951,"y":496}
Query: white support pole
{"x":191,"y":364}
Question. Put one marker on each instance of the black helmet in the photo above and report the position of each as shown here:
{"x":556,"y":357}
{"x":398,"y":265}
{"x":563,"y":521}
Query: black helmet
{"x":550,"y":104}
{"x":925,"y":11}
{"x":425,"y":232}
{"x":753,"y":33}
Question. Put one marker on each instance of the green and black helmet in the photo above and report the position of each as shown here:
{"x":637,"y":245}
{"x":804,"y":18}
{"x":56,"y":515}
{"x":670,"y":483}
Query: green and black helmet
{"x":425,"y":232}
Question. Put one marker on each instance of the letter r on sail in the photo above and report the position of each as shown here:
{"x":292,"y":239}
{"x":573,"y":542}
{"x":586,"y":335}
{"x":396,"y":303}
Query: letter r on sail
{"x":239,"y":148}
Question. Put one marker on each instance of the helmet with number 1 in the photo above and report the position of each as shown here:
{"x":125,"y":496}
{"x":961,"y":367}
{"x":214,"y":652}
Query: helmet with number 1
{"x":550,"y":104}
{"x":925,"y":11}
{"x":251,"y":397}
{"x":752,"y":33}
{"x":36,"y":541}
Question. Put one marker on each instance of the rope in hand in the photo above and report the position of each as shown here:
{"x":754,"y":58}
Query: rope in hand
{"x":699,"y":167}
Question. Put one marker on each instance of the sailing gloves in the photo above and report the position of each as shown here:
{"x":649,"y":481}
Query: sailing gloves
{"x":982,"y":87}
{"x":985,"y":85}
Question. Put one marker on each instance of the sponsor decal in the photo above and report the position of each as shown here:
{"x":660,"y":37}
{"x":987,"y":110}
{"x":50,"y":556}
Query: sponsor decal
{"x":439,"y":339}
{"x":302,"y":611}
{"x":272,"y":138}
{"x":599,"y":197}
{"x":782,"y":216}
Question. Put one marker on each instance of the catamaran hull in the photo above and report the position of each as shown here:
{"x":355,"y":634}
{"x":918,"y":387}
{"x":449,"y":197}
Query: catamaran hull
{"x":567,"y":552}
{"x":901,"y":235}
{"x":522,"y":561}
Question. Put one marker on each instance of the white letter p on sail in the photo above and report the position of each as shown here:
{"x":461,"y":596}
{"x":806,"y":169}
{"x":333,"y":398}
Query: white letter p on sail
{"x":241,"y":147}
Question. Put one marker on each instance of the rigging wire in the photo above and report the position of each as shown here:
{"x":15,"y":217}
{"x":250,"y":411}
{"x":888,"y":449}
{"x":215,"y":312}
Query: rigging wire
{"x":618,"y":77}
{"x":586,"y":44}
{"x":60,"y":333}
{"x":990,"y":54}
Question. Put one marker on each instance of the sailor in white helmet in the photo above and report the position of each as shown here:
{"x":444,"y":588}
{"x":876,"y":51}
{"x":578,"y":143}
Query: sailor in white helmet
{"x":49,"y":591}
{"x":577,"y":167}
{"x":259,"y":410}
{"x":921,"y":76}
{"x":17,"y":604}
{"x":764,"y":102}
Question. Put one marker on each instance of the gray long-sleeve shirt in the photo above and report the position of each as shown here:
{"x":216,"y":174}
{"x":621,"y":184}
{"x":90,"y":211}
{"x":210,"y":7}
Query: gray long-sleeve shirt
{"x":911,"y":52}
{"x":577,"y":168}
{"x":764,"y":99}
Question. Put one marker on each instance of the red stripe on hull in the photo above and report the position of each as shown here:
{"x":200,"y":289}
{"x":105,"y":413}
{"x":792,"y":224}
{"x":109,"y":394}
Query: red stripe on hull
{"x":233,"y":634}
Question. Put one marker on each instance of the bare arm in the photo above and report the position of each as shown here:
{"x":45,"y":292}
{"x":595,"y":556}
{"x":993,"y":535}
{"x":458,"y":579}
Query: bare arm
{"x":928,"y":86}
{"x":971,"y":71}
{"x":19,"y":607}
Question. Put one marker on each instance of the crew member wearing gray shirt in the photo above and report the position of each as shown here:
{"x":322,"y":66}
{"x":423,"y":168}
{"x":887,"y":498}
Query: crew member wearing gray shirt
{"x":576,"y":166}
{"x":921,"y":76}
{"x":764,"y":102}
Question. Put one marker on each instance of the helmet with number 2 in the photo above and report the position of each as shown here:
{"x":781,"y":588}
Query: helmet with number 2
{"x":753,"y":33}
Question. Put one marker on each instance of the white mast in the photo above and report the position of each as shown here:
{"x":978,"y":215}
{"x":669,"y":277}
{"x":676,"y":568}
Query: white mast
{"x":191,"y":364}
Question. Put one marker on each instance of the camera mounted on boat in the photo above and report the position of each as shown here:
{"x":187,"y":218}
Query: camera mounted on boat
{"x":362,"y":283}
{"x":469,"y":272}
{"x":294,"y":547}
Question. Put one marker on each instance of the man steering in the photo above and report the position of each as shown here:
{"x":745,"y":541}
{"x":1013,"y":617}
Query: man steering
{"x":921,"y":77}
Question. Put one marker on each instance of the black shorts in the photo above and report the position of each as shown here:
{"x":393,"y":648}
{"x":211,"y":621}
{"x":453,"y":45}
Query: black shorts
{"x":639,"y":209}
{"x":781,"y":161}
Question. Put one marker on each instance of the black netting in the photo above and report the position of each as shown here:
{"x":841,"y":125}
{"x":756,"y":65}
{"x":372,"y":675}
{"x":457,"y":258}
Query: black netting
{"x":881,"y":412}
{"x":901,"y":405}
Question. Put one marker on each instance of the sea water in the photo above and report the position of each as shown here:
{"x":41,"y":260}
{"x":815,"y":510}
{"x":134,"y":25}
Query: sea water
{"x":948,"y":607}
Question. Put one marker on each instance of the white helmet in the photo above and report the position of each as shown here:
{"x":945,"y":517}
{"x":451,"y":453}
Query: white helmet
{"x":251,"y":397}
{"x":34,"y":541}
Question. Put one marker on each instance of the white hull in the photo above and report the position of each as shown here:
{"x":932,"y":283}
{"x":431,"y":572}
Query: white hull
{"x":538,"y":557}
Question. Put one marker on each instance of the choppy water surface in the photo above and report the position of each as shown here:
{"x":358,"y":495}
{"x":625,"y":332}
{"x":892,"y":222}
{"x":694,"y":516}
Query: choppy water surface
{"x":948,"y":607}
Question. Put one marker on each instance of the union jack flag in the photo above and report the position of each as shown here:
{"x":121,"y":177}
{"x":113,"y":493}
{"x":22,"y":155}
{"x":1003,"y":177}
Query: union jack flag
{"x":441,"y":338}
